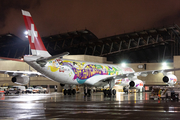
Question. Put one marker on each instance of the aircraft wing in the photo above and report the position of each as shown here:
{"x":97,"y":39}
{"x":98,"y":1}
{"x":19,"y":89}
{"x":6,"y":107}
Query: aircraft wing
{"x":13,"y":59}
{"x":145,"y":73}
{"x":16,"y":73}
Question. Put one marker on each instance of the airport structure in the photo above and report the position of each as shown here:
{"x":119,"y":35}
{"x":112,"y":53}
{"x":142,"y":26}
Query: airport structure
{"x":147,"y":48}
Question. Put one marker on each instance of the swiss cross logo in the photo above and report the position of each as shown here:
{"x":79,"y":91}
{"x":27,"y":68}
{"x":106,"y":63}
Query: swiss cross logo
{"x":32,"y":33}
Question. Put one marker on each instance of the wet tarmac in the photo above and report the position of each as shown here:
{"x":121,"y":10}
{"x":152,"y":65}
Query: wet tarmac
{"x":55,"y":106}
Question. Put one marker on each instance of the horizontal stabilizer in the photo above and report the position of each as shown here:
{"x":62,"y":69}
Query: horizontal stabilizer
{"x":52,"y":57}
{"x":43,"y":60}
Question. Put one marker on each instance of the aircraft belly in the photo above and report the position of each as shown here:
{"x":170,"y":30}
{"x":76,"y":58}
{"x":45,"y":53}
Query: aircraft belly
{"x":65,"y":77}
{"x":95,"y":79}
{"x":55,"y":75}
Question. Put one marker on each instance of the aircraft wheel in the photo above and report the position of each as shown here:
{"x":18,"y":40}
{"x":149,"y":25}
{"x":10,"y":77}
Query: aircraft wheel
{"x":89,"y":92}
{"x":114,"y":92}
{"x":125,"y":89}
{"x":65,"y":91}
{"x":85,"y":93}
{"x":69,"y":91}
{"x":73,"y":91}
{"x":105,"y":92}
{"x":109,"y":92}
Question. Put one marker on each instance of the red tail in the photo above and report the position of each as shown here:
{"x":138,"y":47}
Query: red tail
{"x":36,"y":44}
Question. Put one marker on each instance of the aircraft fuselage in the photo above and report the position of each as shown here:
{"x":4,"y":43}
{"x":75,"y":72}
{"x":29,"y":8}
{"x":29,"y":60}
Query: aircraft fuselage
{"x":78,"y":72}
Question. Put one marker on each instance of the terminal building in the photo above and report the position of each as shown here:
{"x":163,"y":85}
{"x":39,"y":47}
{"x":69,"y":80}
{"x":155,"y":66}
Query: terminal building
{"x":147,"y":48}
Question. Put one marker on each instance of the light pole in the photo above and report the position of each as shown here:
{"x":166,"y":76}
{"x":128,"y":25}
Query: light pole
{"x":29,"y":65}
{"x":26,"y":35}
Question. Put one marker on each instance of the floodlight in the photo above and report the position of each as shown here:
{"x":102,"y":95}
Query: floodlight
{"x":164,"y":64}
{"x":26,"y":34}
{"x":123,"y":64}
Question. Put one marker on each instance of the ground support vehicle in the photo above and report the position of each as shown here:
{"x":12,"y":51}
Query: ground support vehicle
{"x":165,"y":93}
{"x":3,"y":89}
{"x":29,"y":90}
{"x":15,"y":90}
{"x":39,"y":89}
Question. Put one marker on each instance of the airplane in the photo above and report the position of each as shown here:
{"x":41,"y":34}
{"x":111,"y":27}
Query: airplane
{"x":74,"y":72}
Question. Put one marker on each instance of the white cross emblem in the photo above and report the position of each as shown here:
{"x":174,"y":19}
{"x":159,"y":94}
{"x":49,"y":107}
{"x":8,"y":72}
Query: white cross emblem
{"x":32,"y":33}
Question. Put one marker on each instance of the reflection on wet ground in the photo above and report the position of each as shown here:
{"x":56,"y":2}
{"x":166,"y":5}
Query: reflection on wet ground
{"x":57,"y":106}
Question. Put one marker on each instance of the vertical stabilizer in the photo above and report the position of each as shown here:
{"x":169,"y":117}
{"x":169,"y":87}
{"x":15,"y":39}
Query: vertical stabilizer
{"x":35,"y":41}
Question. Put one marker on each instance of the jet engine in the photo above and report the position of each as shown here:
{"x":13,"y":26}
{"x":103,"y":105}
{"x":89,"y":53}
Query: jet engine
{"x":136,"y":83}
{"x":22,"y":80}
{"x":170,"y":79}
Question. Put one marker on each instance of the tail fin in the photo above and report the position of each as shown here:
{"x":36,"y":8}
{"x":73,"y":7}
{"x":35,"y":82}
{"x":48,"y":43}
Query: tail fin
{"x":35,"y":41}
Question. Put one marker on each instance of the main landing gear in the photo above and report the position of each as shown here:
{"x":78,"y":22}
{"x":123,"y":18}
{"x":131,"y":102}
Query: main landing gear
{"x":69,"y":91}
{"x":87,"y":91}
{"x":125,"y":89}
{"x":111,"y":91}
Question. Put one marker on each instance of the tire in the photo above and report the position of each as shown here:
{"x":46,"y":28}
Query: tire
{"x":69,"y":91}
{"x":89,"y":92}
{"x":109,"y":92}
{"x":85,"y":92}
{"x":125,"y":89}
{"x":73,"y":91}
{"x":105,"y":92}
{"x":114,"y":92}
{"x":65,"y":91}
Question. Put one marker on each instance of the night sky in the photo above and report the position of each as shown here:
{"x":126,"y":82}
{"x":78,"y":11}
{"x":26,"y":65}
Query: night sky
{"x":102,"y":17}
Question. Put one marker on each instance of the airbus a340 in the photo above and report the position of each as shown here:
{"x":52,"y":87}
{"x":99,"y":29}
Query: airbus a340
{"x":72,"y":72}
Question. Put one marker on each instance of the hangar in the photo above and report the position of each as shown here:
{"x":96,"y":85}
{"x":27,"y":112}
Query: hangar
{"x":150,"y":46}
{"x":147,"y":47}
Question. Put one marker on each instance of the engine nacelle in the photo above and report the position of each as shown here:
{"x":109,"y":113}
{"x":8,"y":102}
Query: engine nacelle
{"x":170,"y":79}
{"x":22,"y":80}
{"x":136,"y":83}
